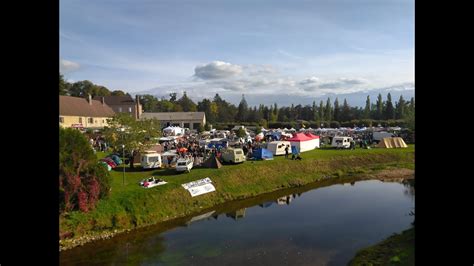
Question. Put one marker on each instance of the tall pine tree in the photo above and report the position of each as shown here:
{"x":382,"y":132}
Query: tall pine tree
{"x":337,"y":110}
{"x":367,"y":108}
{"x":321,"y":110}
{"x":328,"y":111}
{"x":379,"y":111}
{"x":243,"y":110}
{"x":400,"y":108}
{"x":389,"y":110}
{"x":346,"y":112}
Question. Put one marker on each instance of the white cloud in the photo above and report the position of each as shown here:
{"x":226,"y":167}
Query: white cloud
{"x":66,"y":66}
{"x":217,"y":70}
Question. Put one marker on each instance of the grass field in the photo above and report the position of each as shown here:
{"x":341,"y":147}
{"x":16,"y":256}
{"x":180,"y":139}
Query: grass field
{"x":130,"y":206}
{"x":398,"y":249}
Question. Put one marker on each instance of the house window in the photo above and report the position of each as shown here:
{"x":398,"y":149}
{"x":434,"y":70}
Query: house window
{"x":80,"y":120}
{"x":186,"y":125}
{"x":61,"y":119}
{"x":91,"y":120}
{"x":103,"y":120}
{"x":120,"y":109}
{"x":196,"y":125}
{"x":129,"y":109}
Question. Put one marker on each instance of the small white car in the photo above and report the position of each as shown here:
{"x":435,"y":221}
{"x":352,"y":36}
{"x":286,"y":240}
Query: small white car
{"x":184,"y":165}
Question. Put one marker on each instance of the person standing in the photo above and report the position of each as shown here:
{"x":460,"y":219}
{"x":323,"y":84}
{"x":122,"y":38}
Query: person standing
{"x":286,"y":151}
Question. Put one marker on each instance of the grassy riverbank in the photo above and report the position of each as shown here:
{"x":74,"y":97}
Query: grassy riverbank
{"x":130,"y":206}
{"x":398,"y":249}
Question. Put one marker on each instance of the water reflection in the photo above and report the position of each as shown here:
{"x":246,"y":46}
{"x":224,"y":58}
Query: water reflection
{"x":237,"y":214}
{"x":324,"y":226}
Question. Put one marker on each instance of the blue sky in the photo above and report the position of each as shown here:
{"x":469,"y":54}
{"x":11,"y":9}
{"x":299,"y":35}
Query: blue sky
{"x":260,"y":48}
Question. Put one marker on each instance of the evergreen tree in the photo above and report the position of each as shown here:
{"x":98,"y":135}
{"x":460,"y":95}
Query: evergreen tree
{"x":243,"y":110}
{"x":314,"y":110}
{"x":367,"y":108}
{"x":389,"y":110}
{"x":187,"y":104}
{"x":379,"y":111}
{"x":321,"y":110}
{"x":337,"y":111}
{"x":346,"y":112}
{"x":328,"y":111}
{"x":400,"y":108}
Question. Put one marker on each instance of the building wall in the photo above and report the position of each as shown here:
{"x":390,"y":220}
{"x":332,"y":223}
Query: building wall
{"x":98,"y":122}
{"x":181,"y":123}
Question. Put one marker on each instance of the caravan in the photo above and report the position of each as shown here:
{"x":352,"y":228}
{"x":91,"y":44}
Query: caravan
{"x":340,"y":142}
{"x":233,"y":155}
{"x":278,"y":147}
{"x":150,"y":160}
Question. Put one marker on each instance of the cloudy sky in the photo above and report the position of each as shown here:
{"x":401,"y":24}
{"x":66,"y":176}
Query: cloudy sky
{"x":270,"y":50}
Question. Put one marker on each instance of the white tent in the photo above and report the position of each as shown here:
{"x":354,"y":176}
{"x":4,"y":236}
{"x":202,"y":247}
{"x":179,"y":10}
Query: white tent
{"x":304,"y":142}
{"x":173,"y":131}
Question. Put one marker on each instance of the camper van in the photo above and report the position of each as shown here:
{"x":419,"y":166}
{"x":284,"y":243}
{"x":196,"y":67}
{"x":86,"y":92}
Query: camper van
{"x":341,"y":142}
{"x":278,"y":147}
{"x":150,"y":160}
{"x":233,"y":155}
{"x":184,"y":165}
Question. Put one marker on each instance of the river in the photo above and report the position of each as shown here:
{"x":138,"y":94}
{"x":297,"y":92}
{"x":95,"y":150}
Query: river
{"x":300,"y":226}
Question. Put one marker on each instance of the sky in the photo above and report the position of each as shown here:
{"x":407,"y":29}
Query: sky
{"x":268,"y":50}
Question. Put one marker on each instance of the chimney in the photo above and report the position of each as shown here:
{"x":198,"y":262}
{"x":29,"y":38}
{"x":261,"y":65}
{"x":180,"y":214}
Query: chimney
{"x":137,"y":107}
{"x":90,"y":99}
{"x":103,"y":100}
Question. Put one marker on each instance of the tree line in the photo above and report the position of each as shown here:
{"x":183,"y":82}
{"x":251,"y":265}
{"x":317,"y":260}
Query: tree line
{"x":218,"y":110}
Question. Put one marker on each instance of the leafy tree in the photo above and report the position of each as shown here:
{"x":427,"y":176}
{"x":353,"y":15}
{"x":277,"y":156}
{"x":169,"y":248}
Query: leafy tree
{"x":82,"y":181}
{"x":241,"y":133}
{"x":134,"y":134}
{"x":85,"y":87}
{"x":63,"y":85}
{"x":173,"y":97}
{"x":117,"y":93}
{"x":187,"y":104}
{"x":149,"y":103}
{"x":200,"y":128}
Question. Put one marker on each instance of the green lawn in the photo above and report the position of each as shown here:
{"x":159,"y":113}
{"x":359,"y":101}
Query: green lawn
{"x":130,"y":205}
{"x":398,"y":249}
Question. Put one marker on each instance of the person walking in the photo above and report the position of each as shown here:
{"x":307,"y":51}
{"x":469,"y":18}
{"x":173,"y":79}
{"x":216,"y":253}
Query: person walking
{"x":286,"y":151}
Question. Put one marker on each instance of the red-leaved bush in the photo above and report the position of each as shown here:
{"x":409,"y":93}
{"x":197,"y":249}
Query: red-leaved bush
{"x":82,"y":181}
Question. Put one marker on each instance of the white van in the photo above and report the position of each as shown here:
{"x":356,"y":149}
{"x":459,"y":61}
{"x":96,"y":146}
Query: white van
{"x":341,"y":142}
{"x":278,"y":147}
{"x":184,"y":164}
{"x":233,"y":155}
{"x":150,"y":160}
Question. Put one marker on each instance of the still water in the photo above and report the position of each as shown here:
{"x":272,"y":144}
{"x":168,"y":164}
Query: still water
{"x":304,"y":226}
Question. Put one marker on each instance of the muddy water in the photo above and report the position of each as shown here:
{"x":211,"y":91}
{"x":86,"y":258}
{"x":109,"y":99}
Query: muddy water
{"x":316,"y":225}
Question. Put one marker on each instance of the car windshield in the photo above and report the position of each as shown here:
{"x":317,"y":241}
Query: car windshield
{"x":182,"y":163}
